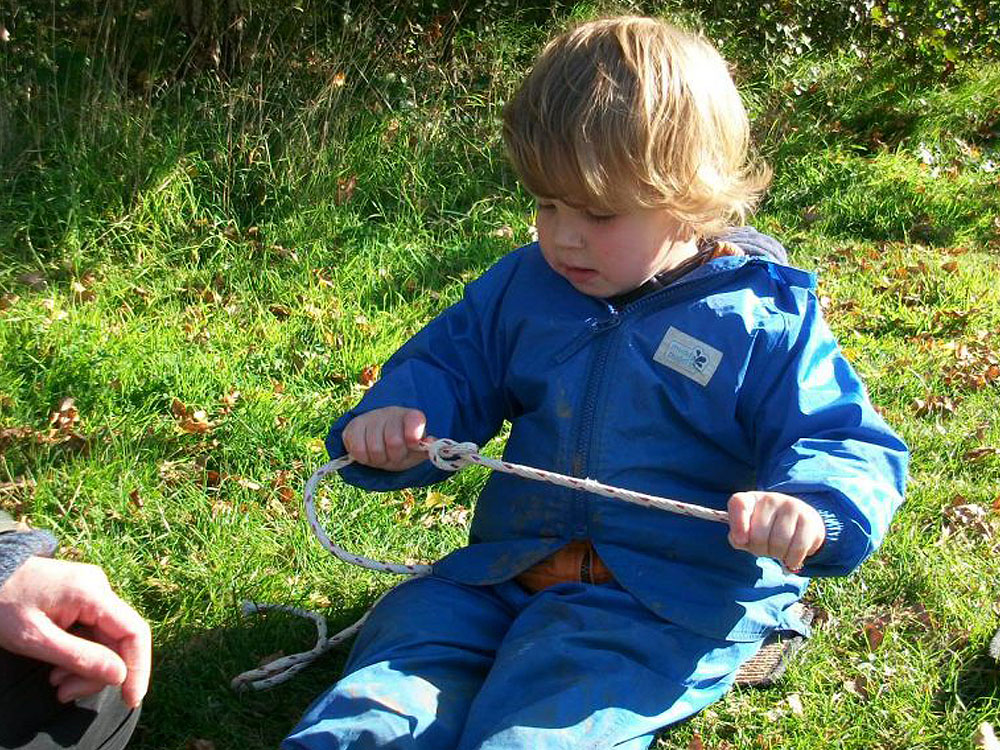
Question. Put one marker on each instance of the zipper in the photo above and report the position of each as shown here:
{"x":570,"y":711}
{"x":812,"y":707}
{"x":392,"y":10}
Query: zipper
{"x":677,"y":292}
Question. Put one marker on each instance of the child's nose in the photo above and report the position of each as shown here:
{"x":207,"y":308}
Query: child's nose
{"x":569,"y":235}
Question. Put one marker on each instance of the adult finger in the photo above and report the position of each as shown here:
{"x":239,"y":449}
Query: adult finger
{"x":124,"y":630}
{"x":75,"y":687}
{"x":51,"y":644}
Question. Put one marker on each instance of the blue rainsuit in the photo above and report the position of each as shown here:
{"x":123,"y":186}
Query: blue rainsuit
{"x":726,"y":380}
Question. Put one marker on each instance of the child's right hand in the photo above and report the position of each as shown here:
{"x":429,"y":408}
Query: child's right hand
{"x":386,"y":438}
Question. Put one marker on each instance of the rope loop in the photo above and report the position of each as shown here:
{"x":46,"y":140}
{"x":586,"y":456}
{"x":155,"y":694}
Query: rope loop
{"x":449,"y":455}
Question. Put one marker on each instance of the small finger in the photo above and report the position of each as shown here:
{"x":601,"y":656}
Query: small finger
{"x":414,"y":424}
{"x":354,"y":441}
{"x":740,"y":508}
{"x":760,"y":526}
{"x":798,"y":549}
{"x":395,"y":445}
{"x":783,"y":526}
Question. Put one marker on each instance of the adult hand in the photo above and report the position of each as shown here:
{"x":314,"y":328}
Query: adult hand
{"x":46,"y":602}
{"x":772,"y":524}
{"x":386,"y":438}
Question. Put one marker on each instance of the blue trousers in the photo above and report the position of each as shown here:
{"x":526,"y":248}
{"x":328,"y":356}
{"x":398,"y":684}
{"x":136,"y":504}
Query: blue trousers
{"x":445,"y":666}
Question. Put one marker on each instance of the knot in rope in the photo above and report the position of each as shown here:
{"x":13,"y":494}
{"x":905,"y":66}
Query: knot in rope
{"x":449,"y":455}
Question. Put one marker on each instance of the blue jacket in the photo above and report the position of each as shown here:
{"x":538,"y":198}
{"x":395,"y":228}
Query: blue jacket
{"x":726,"y":380}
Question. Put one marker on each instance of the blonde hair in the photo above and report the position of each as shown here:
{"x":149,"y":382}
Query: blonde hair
{"x":629,"y":112}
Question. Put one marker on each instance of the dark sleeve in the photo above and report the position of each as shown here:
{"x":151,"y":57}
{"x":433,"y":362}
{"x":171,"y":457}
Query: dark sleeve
{"x":18,"y":546}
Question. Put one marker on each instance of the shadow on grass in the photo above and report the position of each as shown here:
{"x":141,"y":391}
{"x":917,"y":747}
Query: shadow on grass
{"x":976,"y":683}
{"x":190,"y":697}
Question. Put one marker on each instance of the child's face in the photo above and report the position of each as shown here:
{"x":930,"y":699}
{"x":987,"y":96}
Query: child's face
{"x":602,"y":255}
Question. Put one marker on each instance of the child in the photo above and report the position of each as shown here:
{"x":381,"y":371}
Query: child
{"x":641,"y":344}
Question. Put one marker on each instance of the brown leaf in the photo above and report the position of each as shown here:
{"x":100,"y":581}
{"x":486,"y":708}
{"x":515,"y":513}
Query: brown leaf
{"x":200,"y":744}
{"x":7,"y":301}
{"x":229,"y":401}
{"x":281,"y":312}
{"x":696,"y":743}
{"x":345,"y":189}
{"x":874,"y":631}
{"x":858,"y":686}
{"x":368,"y":375}
{"x":34,"y":280}
{"x":981,"y":453}
{"x":63,"y":419}
{"x":190,"y":421}
{"x":136,"y":499}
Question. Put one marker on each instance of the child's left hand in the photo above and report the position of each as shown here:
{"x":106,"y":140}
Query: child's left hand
{"x":771,"y":524}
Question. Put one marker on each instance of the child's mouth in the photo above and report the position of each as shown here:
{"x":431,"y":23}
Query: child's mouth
{"x":577,"y":274}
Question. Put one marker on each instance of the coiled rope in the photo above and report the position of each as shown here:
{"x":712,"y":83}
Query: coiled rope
{"x":450,"y":456}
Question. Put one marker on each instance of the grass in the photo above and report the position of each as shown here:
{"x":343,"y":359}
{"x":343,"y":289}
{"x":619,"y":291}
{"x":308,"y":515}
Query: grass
{"x":248,"y":247}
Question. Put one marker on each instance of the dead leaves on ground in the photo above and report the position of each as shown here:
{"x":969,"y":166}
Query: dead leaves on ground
{"x":434,"y":510}
{"x":62,"y":431}
{"x":970,"y":520}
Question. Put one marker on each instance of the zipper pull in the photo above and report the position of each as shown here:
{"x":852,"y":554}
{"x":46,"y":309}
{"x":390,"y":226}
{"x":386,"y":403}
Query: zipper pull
{"x":593,"y":327}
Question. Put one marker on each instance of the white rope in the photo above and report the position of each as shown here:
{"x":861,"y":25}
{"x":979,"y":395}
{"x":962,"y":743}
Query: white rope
{"x":450,"y":456}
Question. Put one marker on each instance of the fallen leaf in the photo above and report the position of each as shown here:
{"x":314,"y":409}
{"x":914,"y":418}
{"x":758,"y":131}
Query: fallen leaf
{"x":435,"y":499}
{"x":34,"y":280}
{"x":795,"y":703}
{"x":281,"y":312}
{"x":858,"y":686}
{"x":368,"y":375}
{"x":190,"y":421}
{"x":345,"y":189}
{"x":64,"y":418}
{"x":200,"y":744}
{"x":229,"y":401}
{"x":247,"y":484}
{"x":981,"y":453}
{"x":136,"y":499}
{"x":696,"y":743}
{"x":874,"y":631}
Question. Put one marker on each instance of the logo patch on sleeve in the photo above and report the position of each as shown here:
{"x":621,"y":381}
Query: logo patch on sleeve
{"x":688,"y":356}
